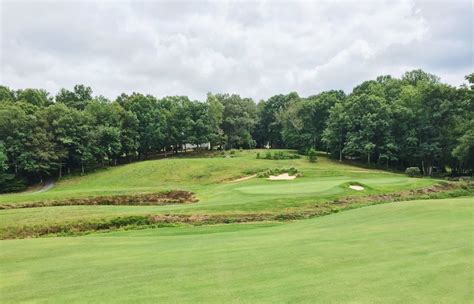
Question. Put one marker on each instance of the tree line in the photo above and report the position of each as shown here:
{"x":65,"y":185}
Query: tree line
{"x":414,"y":120}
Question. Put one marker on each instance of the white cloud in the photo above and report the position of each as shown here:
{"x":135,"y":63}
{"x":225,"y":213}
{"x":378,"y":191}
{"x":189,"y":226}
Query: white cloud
{"x":256,"y":49}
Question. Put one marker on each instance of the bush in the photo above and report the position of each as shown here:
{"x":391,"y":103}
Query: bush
{"x":258,"y":155}
{"x":232,"y":152}
{"x":279,"y":155}
{"x":413,"y":172}
{"x":311,"y":155}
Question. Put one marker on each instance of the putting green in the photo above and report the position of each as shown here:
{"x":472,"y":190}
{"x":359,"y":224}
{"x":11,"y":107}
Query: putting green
{"x":407,"y":252}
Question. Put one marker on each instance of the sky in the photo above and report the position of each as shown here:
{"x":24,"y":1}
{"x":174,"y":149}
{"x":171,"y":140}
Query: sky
{"x":256,"y":49}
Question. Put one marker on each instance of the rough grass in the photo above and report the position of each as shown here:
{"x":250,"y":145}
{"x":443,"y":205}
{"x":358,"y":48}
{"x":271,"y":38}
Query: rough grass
{"x":406,"y":252}
{"x":149,"y":199}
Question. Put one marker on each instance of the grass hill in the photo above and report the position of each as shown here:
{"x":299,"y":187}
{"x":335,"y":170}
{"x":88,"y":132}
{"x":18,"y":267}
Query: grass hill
{"x":213,"y":182}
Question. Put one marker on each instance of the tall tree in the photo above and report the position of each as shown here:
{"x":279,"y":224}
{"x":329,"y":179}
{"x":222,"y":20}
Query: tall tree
{"x":238,"y":120}
{"x":269,"y":125}
{"x":215,"y":115}
{"x":78,"y":98}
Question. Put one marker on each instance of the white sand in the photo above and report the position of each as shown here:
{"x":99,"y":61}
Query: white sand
{"x":284,"y":176}
{"x":356,"y":187}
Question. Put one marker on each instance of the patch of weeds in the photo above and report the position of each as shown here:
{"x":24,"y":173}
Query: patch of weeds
{"x":277,"y":171}
{"x":162,"y":198}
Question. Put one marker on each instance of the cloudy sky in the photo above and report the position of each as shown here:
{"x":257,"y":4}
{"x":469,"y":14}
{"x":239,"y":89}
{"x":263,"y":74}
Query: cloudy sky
{"x":256,"y":49}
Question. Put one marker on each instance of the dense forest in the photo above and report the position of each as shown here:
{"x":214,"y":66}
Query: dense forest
{"x":402,"y":122}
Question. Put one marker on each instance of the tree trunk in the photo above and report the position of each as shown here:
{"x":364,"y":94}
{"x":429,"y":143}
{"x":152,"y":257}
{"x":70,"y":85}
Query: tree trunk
{"x":82,"y":168}
{"x":368,"y":158}
{"x":60,"y":171}
{"x":340,"y":155}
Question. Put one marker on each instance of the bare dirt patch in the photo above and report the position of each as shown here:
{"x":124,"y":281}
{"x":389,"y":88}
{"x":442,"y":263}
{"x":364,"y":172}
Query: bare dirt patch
{"x":284,"y":176}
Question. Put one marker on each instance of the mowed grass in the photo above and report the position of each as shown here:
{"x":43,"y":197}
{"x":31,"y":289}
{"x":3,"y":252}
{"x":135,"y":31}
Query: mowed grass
{"x":406,"y":252}
{"x":209,"y":179}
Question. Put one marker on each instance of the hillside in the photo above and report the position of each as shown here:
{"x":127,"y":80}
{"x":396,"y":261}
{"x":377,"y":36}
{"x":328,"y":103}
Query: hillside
{"x":212,"y":181}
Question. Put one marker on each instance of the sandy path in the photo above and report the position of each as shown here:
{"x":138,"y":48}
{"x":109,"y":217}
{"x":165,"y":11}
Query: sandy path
{"x":242,"y":178}
{"x":47,"y":185}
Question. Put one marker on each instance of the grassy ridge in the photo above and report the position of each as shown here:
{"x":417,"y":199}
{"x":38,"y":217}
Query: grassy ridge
{"x":406,"y":252}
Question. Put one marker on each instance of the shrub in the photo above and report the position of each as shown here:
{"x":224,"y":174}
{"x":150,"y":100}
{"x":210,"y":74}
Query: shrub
{"x":232,"y":152}
{"x":311,"y":155}
{"x":413,"y":171}
{"x":258,"y":155}
{"x":279,"y":155}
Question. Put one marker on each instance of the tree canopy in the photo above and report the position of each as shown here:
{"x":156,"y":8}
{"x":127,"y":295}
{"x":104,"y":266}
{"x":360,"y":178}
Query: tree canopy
{"x":412,"y":121}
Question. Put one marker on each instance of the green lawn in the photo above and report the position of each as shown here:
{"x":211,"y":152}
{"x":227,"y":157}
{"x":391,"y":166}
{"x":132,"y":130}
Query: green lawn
{"x":208,"y":179}
{"x":407,"y":252}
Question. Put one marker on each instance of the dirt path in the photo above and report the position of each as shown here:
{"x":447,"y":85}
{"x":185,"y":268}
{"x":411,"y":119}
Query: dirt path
{"x":45,"y":187}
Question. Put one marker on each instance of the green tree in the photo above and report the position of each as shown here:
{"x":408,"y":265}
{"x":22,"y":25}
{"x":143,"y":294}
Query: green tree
{"x":78,"y":98}
{"x":305,"y":120}
{"x":238,"y":120}
{"x":335,"y":134}
{"x":215,"y":115}
{"x":269,"y":126}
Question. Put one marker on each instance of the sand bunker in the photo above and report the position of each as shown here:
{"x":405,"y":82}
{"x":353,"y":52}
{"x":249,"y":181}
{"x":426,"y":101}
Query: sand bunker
{"x":356,"y":187}
{"x":284,"y":176}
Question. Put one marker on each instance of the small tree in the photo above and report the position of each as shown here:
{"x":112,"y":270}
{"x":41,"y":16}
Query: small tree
{"x":311,"y":155}
{"x":413,"y":171}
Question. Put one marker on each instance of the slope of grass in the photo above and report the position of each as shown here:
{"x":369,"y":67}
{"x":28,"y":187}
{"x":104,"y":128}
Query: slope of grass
{"x":209,"y":179}
{"x":409,"y":252}
{"x":205,"y":176}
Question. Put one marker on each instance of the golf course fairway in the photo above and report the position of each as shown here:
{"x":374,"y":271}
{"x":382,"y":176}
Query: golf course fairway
{"x":404,"y":252}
